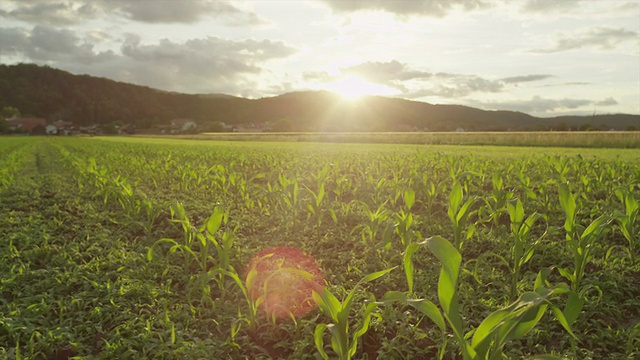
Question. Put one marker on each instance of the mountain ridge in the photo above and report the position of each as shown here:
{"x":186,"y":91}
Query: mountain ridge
{"x":58,"y":95}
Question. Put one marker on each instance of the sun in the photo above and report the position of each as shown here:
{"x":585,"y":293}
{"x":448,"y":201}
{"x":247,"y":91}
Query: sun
{"x":353,"y":87}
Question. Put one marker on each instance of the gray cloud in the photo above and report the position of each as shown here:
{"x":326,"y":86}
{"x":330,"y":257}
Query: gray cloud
{"x":65,"y":12}
{"x":208,"y":64}
{"x":525,"y":78}
{"x":457,"y":85}
{"x":549,"y":6}
{"x":606,"y":102}
{"x":153,"y":11}
{"x":414,"y":83}
{"x":50,"y":45}
{"x":536,"y":105}
{"x":604,"y":38}
{"x":433,"y":8}
{"x":199,"y":65}
{"x":48,"y":12}
{"x":385,"y":72}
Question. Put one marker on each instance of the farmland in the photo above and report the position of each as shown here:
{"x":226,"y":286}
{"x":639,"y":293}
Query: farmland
{"x":131,"y":248}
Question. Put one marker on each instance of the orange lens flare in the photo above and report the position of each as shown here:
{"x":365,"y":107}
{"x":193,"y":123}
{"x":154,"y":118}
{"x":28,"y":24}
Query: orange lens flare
{"x":281,"y":280}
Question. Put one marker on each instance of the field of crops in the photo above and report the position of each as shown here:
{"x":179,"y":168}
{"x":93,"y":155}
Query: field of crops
{"x":131,"y":248}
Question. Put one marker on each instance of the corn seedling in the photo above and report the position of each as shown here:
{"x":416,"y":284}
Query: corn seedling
{"x":500,"y":327}
{"x":458,"y":213}
{"x":628,"y":221}
{"x":343,"y":341}
{"x":581,"y":240}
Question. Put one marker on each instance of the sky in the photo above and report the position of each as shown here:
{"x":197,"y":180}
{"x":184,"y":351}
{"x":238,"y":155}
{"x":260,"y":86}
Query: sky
{"x":542,"y":57}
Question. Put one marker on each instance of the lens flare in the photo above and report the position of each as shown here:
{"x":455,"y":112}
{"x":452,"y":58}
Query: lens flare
{"x":281,"y":280}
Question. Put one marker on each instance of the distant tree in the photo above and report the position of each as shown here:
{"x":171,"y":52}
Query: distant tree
{"x":283,"y":125}
{"x":9,"y":112}
{"x":631,"y":128}
{"x":109,"y":129}
{"x":560,"y":127}
{"x":4,"y":127}
{"x":585,"y":127}
{"x":215,"y":126}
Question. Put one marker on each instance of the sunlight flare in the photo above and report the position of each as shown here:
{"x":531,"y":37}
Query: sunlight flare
{"x":353,"y":87}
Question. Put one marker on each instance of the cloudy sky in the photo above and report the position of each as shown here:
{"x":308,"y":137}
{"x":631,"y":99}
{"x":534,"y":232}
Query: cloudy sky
{"x":542,"y":57}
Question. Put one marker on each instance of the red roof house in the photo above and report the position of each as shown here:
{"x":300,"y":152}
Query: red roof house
{"x":27,"y":124}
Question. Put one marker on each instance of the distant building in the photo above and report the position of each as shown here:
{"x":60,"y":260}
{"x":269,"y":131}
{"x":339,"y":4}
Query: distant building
{"x":64,"y":127}
{"x":182,"y":125}
{"x":28,"y":125}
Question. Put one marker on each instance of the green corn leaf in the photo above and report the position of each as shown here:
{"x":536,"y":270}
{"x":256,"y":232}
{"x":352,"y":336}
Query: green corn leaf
{"x":392,"y":296}
{"x":328,"y":303}
{"x":516,"y":212}
{"x":486,"y":329}
{"x":215,"y":220}
{"x":464,"y":211}
{"x":430,"y":310}
{"x":448,"y":281}
{"x":319,"y":341}
{"x":364,"y":326}
{"x":526,"y":321}
{"x":567,"y":274}
{"x":408,"y":263}
{"x":595,"y":228}
{"x":451,"y":260}
{"x":573,"y":307}
{"x":568,"y":203}
{"x":376,"y":275}
{"x":158,"y":242}
{"x":455,"y":199}
{"x":409,"y":198}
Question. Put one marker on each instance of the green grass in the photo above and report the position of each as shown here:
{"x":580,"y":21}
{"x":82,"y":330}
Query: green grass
{"x":78,"y":217}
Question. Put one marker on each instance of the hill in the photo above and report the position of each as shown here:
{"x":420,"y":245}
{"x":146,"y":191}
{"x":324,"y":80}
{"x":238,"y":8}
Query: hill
{"x":54,"y":94}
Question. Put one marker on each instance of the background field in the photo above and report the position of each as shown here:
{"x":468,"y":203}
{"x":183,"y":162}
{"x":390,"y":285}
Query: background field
{"x":78,"y":217}
{"x":580,"y":139}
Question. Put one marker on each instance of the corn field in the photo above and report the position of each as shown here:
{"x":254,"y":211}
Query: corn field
{"x":130,"y":248}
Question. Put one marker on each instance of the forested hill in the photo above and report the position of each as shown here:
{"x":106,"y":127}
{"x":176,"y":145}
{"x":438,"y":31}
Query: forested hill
{"x":54,"y":94}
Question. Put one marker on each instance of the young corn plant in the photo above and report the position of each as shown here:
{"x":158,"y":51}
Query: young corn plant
{"x":376,"y":222}
{"x":458,"y":213}
{"x":522,"y":248}
{"x":202,"y":248}
{"x":343,"y":340}
{"x":628,"y":221}
{"x":488,"y":340}
{"x":316,"y":207}
{"x":497,"y":204}
{"x":581,"y":240}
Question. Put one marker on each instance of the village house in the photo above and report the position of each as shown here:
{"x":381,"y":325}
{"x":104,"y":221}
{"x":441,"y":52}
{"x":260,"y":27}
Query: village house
{"x":34,"y":126}
{"x":64,"y":127}
{"x":182,"y":125}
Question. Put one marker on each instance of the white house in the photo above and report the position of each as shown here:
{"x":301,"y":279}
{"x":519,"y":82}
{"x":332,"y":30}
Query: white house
{"x":183,"y":124}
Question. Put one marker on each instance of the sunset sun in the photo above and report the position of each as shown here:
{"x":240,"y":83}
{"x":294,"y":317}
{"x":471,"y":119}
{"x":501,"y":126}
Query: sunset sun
{"x":353,"y":87}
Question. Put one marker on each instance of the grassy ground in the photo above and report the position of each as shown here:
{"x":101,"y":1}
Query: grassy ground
{"x":78,"y":217}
